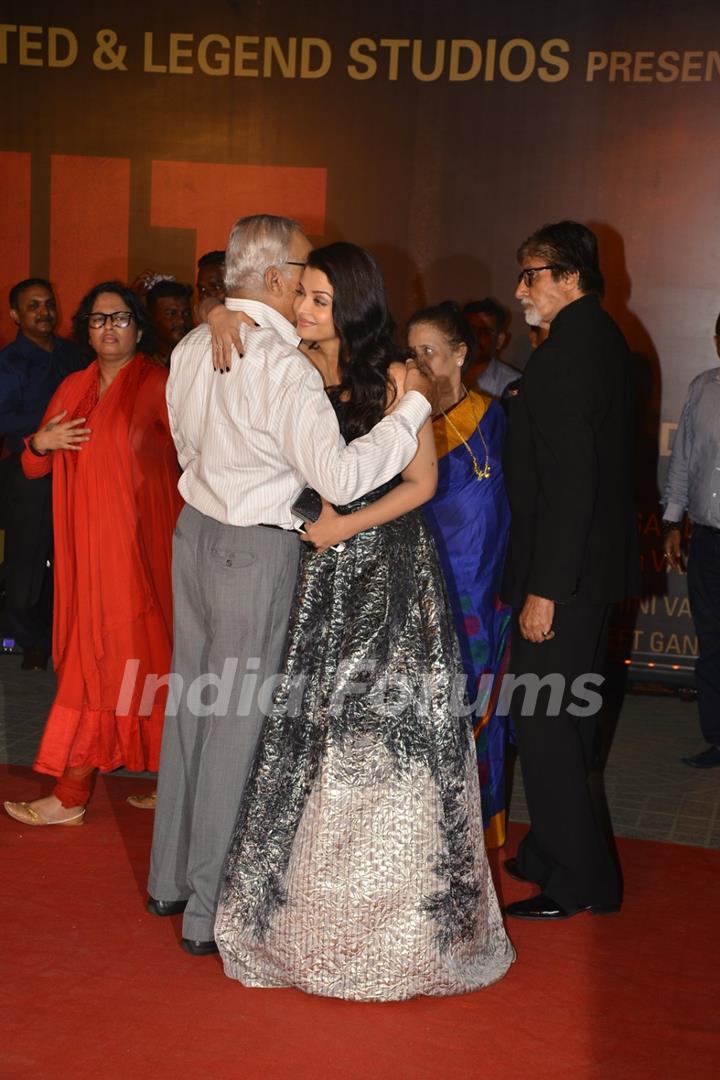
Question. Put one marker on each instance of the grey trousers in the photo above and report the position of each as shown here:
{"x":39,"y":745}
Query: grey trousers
{"x":232,"y":590}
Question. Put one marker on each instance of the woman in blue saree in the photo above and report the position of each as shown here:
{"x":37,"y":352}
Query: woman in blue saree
{"x":469,"y":518}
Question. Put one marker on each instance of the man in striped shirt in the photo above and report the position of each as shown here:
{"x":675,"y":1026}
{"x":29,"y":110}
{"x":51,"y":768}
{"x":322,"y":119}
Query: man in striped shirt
{"x":248,"y":441}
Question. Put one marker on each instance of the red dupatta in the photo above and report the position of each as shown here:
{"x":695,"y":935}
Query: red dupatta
{"x":115,"y":502}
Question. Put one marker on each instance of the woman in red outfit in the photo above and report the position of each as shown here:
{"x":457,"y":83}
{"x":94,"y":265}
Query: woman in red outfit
{"x":106,"y":439}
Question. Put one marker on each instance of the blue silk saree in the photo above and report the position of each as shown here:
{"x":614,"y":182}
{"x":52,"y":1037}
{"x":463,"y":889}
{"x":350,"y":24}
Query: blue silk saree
{"x":469,"y":519}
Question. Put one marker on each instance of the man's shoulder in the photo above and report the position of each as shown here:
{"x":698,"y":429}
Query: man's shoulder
{"x":190,"y":354}
{"x":198,"y":338}
{"x":579,"y":316}
{"x":561,"y":370}
{"x":67,"y":344}
{"x":11,"y":354}
{"x":69,"y":355}
{"x":278,"y":358}
{"x":585,"y":330}
{"x":268,"y":354}
{"x":19,"y":355}
{"x":711,"y":377}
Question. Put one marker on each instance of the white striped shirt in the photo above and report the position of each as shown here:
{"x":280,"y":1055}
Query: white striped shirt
{"x":250,"y":439}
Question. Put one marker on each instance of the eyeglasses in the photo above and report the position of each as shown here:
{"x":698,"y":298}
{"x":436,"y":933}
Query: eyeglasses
{"x":527,"y":276}
{"x":118,"y":319}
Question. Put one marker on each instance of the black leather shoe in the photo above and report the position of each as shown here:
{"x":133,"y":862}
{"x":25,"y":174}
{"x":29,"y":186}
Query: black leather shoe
{"x":544,"y":907}
{"x":166,"y":907}
{"x":199,"y":948}
{"x":706,"y":759}
{"x":539,"y":907}
{"x":510,"y":866}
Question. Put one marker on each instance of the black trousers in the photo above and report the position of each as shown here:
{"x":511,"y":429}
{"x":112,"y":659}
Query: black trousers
{"x":568,"y":849}
{"x":703,"y":579}
{"x":27,"y":520}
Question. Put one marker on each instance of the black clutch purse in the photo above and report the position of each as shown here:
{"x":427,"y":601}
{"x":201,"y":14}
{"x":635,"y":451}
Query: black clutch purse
{"x":308,"y":505}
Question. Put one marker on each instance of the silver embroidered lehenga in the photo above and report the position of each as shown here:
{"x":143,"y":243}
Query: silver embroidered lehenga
{"x":357,"y":867}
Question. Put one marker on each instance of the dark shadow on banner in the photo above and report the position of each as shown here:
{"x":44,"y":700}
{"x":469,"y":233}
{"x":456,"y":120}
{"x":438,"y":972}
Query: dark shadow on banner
{"x":473,"y":272}
{"x":649,"y":642}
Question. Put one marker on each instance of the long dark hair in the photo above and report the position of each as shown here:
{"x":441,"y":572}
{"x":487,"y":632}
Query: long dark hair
{"x":366,"y":331}
{"x":132,"y":303}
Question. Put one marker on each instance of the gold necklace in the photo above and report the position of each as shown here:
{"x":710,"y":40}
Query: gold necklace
{"x":484,"y":473}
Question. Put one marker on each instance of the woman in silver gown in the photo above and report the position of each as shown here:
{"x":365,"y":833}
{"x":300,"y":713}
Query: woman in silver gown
{"x":357,"y":868}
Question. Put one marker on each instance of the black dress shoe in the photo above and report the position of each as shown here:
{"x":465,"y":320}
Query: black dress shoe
{"x":199,"y":948}
{"x":539,"y":907}
{"x":706,"y":759}
{"x":510,"y":866}
{"x":544,"y":907}
{"x":166,"y":907}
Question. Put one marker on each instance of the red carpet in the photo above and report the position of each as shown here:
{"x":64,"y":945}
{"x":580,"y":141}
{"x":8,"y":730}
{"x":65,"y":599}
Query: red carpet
{"x":94,"y":987}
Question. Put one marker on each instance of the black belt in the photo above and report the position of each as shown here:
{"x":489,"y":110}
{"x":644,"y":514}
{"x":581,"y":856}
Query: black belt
{"x":705,"y":528}
{"x":262,"y":525}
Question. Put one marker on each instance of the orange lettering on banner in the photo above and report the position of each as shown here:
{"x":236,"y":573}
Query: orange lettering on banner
{"x":521,"y":48}
{"x":89,"y":223}
{"x":368,"y":66}
{"x":28,"y":44}
{"x":15,"y":231}
{"x":394,"y":45}
{"x":180,"y":197}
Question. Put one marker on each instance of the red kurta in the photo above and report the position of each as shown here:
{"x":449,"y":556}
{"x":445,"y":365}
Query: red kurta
{"x":115,"y":503}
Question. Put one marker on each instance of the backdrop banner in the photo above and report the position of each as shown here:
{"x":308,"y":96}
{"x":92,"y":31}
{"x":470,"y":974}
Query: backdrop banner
{"x":436,"y":135}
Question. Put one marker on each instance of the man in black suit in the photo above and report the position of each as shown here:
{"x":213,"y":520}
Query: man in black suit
{"x":572,"y":553}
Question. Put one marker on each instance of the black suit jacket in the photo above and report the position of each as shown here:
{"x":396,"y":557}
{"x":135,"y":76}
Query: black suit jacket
{"x":568,"y":465}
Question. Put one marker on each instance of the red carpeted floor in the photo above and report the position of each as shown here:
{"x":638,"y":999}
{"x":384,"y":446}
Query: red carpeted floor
{"x":94,"y":987}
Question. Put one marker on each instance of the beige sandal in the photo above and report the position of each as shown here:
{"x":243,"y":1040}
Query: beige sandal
{"x":25,"y":813}
{"x":143,"y":802}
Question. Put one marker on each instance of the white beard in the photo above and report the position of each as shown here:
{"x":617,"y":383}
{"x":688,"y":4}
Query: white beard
{"x":532,"y":318}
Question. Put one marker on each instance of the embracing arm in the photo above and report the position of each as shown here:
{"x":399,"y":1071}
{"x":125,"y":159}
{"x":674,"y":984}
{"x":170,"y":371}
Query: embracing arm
{"x":225,"y":326}
{"x":419,"y":482}
{"x":308,"y":434}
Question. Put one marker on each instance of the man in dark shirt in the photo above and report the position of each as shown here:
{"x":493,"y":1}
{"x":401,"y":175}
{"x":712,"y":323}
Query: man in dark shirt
{"x":170,"y":307}
{"x":487,"y":372}
{"x":31,"y":369}
{"x":210,"y":276}
{"x":572,"y":553}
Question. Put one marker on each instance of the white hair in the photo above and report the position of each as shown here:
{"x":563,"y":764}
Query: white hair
{"x":254,"y":244}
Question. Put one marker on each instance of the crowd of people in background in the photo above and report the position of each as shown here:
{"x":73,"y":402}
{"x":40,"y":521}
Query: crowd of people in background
{"x":470,"y":521}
